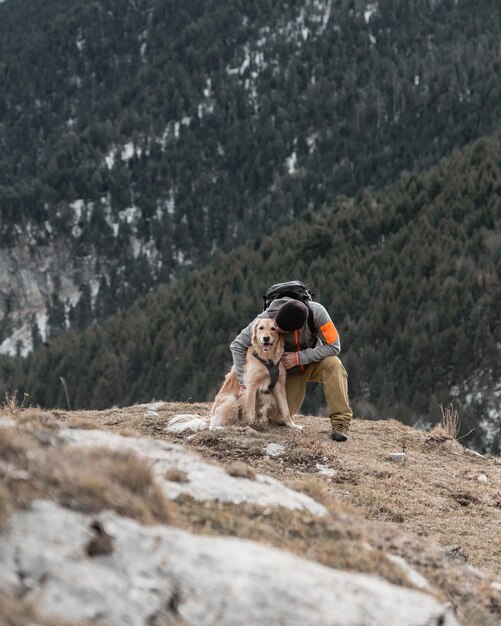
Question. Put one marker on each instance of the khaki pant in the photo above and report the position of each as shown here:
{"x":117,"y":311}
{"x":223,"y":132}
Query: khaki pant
{"x":331,"y":373}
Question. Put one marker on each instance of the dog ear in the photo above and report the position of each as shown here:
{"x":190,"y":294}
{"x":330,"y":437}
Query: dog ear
{"x":254,"y":330}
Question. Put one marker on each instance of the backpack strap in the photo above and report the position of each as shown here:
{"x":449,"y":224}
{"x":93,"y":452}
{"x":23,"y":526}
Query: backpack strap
{"x":272,"y":370}
{"x":311,"y":321}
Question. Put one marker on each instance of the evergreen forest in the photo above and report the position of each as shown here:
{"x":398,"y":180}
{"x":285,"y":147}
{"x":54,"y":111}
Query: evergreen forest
{"x":152,"y":135}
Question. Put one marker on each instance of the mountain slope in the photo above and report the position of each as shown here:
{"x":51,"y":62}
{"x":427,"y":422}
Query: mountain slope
{"x":163,"y":517}
{"x":139,"y":137}
{"x":411,"y":276}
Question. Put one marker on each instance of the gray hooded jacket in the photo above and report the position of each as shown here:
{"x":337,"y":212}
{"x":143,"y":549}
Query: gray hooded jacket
{"x":309,"y":348}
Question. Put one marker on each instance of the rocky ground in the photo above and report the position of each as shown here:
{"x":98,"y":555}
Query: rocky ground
{"x":108,"y":519}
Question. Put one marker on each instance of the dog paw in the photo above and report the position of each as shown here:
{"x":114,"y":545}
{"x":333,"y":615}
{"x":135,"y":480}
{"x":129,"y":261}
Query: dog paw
{"x":296,"y":426}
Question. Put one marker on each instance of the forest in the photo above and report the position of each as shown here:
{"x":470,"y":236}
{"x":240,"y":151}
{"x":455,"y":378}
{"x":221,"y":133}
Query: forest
{"x":183,"y":131}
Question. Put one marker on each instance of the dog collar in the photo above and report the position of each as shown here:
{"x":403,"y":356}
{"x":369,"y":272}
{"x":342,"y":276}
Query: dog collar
{"x":272,"y":369}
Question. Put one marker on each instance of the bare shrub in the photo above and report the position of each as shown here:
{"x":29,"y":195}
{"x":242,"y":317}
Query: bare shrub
{"x":11,"y":402}
{"x":450,"y":420}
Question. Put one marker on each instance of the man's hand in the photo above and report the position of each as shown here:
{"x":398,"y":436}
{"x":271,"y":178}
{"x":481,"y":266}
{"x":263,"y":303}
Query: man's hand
{"x":242,"y":390}
{"x":289,"y":359}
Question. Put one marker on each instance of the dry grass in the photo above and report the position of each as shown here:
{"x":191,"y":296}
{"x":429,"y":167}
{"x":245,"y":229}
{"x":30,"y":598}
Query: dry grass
{"x":314,"y":489}
{"x":418,"y":495}
{"x":17,"y":612}
{"x":450,"y":420}
{"x":5,"y":506}
{"x":11,"y":402}
{"x":82,"y":479}
{"x":337,"y":541}
{"x":239,"y":469}
{"x":175,"y":475}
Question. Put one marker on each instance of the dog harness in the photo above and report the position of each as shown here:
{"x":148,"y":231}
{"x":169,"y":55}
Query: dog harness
{"x":272,"y":369}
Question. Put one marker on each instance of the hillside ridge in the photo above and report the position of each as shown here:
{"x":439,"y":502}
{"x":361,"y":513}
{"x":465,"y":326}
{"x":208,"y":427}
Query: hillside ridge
{"x":429,"y":523}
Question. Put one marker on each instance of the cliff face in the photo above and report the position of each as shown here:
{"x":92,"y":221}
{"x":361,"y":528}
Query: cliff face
{"x":30,"y":276}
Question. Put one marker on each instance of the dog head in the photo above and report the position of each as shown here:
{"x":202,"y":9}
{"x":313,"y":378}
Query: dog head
{"x":266,"y":338}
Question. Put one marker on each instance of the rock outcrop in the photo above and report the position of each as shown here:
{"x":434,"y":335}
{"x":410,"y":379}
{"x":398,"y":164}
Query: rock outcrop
{"x":161,"y":573}
{"x":204,"y":481}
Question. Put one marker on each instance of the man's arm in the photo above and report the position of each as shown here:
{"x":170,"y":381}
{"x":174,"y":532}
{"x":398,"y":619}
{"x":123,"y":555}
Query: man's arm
{"x":326,"y":332}
{"x":238,"y":349}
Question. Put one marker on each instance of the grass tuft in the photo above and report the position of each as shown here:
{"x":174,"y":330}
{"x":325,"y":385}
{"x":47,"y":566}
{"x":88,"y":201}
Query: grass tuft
{"x":175,"y":475}
{"x":450,"y":420}
{"x":82,"y":479}
{"x":239,"y":469}
{"x":5,"y":506}
{"x":11,"y":403}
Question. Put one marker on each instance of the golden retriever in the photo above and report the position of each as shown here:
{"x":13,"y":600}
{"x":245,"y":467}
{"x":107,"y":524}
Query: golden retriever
{"x":264,"y":395}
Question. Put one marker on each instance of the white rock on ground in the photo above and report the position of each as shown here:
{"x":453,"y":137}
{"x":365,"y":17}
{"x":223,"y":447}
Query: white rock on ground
{"x":274,"y":449}
{"x":204,"y":480}
{"x":7,"y":421}
{"x":153,"y":406}
{"x":201,"y":580}
{"x":325,"y":470}
{"x":414,"y":576}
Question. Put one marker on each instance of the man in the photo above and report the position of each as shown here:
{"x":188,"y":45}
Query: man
{"x":308,"y":357}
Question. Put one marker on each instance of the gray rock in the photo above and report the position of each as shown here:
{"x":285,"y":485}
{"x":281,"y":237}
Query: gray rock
{"x":325,"y":470}
{"x":201,"y":580}
{"x":204,"y":480}
{"x":397,"y":456}
{"x":275,"y":449}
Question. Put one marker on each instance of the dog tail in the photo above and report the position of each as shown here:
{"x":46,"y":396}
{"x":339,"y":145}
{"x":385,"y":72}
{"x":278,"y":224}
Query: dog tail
{"x":186,"y":421}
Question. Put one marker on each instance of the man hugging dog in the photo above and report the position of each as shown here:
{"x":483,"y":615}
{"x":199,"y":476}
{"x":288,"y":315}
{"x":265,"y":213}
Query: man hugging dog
{"x":311,"y":348}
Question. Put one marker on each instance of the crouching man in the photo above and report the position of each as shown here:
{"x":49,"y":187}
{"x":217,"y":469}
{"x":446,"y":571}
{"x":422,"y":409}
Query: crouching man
{"x":311,"y":348}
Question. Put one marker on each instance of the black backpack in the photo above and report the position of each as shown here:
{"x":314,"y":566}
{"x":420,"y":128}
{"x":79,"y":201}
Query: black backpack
{"x":291,"y":289}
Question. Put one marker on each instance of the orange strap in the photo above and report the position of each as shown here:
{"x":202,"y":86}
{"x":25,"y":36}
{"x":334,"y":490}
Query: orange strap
{"x":296,"y":335}
{"x":329,"y":332}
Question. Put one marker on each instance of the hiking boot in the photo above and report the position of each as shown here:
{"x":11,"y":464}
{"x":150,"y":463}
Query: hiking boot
{"x":339,"y":429}
{"x":337,"y":436}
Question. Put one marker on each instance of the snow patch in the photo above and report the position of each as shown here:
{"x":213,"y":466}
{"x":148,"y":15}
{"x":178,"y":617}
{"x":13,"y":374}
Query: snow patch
{"x":291,"y":163}
{"x":20,"y":341}
{"x":80,"y":41}
{"x":130,"y":215}
{"x":370,"y":11}
{"x":77,"y":207}
{"x":205,"y":109}
{"x":110,"y":159}
{"x":128,"y":151}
